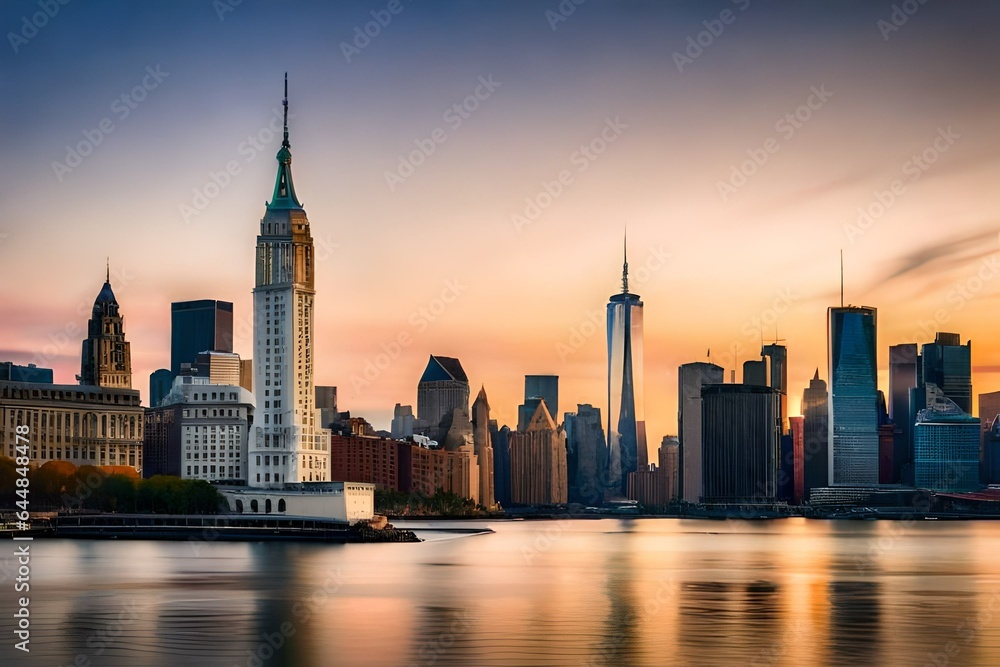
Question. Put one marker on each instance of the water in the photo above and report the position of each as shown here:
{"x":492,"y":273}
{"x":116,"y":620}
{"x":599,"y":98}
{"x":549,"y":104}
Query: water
{"x":586,"y":592}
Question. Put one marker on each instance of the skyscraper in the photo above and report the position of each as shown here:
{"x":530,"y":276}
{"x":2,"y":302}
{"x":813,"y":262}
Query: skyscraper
{"x":853,"y":404}
{"x":904,"y":375}
{"x":483,"y":448}
{"x":948,"y":364}
{"x":205,"y":325}
{"x":160,"y":382}
{"x":443,"y":387}
{"x":690,"y":379}
{"x":626,"y":421}
{"x":538,"y":462}
{"x":541,"y":386}
{"x":286,"y":434}
{"x":586,"y":456}
{"x":740,"y":434}
{"x":945,"y":445}
{"x":777,"y":355}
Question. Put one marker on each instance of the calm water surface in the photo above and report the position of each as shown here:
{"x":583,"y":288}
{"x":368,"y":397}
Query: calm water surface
{"x":599,"y":592}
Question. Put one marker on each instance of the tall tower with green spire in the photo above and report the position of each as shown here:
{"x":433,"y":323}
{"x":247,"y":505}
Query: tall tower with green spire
{"x":288,"y":443}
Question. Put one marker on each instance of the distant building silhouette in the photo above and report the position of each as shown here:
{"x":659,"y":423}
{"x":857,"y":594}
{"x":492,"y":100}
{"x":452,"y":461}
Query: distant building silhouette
{"x":199,"y":326}
{"x":160,"y":383}
{"x":443,"y":387}
{"x":690,"y":379}
{"x":538,"y":386}
{"x":483,"y":448}
{"x":538,"y":462}
{"x":586,"y":456}
{"x":777,"y":356}
{"x":500,"y":438}
{"x":11,"y":372}
{"x":626,"y":422}
{"x":853,"y":404}
{"x":402,"y":421}
{"x":797,"y":430}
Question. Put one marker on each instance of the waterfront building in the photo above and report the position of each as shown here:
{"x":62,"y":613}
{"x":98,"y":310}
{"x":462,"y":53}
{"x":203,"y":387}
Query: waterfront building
{"x":741,"y":443}
{"x":426,"y":470}
{"x":500,"y":437}
{"x":586,"y":456}
{"x":797,"y":430}
{"x":853,"y":403}
{"x":199,"y":326}
{"x":669,"y":464}
{"x":538,"y":462}
{"x":200,"y":430}
{"x":372,"y":460}
{"x":286,"y":431}
{"x":348,"y":502}
{"x":626,"y":430}
{"x":989,"y":457}
{"x":690,"y":380}
{"x":98,"y":422}
{"x":946,"y":443}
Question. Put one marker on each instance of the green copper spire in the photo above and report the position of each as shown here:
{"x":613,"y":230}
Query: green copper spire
{"x":284,"y":192}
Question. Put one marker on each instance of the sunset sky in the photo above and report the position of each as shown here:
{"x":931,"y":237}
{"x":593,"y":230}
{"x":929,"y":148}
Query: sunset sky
{"x":736,"y":141}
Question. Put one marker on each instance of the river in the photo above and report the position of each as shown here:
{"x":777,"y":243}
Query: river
{"x":581,"y":592}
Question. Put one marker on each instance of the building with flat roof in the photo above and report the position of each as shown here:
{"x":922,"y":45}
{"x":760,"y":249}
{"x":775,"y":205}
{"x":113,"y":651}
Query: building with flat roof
{"x":199,"y":326}
{"x":11,"y":372}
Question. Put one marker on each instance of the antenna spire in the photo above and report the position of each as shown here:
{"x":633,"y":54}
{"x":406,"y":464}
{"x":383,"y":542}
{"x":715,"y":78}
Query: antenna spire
{"x":625,"y":265}
{"x":107,"y":277}
{"x":841,"y":277}
{"x":284,"y":103}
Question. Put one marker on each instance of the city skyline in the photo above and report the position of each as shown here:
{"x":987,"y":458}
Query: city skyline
{"x":456,"y":221}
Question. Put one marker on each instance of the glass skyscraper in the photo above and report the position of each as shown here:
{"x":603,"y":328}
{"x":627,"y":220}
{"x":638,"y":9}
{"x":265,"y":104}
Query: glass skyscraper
{"x":626,"y":421}
{"x":853,"y":403}
{"x":948,"y":364}
{"x":945,"y":446}
{"x":199,"y":326}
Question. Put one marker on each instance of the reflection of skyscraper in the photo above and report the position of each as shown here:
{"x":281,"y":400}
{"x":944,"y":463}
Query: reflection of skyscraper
{"x":690,"y":378}
{"x":853,"y":404}
{"x":626,"y":422}
{"x":287,"y":440}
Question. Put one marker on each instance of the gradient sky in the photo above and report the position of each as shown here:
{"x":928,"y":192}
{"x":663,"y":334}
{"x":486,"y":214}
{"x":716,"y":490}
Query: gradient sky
{"x":731,"y":262}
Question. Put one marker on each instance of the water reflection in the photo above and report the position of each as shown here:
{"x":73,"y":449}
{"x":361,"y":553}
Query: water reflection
{"x":778,"y":593}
